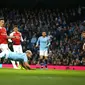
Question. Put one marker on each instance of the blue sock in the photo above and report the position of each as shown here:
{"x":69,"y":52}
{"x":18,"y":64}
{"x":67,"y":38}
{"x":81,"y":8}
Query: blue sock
{"x":45,"y":63}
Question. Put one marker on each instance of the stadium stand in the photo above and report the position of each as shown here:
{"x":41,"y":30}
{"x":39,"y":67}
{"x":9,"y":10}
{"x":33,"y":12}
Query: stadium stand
{"x":64,"y":28}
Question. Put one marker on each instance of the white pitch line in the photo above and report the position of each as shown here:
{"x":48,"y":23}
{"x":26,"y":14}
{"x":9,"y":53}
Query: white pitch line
{"x":43,"y":77}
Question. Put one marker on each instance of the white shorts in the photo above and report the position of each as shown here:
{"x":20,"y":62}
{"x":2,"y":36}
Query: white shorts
{"x":17,"y":48}
{"x":43,"y":53}
{"x":4,"y":47}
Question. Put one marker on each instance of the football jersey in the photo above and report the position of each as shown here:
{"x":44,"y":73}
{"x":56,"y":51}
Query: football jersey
{"x":3,"y":35}
{"x":43,"y":43}
{"x":18,"y":38}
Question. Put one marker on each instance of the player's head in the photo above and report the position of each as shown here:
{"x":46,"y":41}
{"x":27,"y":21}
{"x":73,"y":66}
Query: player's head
{"x":43,"y":33}
{"x":29,"y":53}
{"x":15,"y":28}
{"x":1,"y":21}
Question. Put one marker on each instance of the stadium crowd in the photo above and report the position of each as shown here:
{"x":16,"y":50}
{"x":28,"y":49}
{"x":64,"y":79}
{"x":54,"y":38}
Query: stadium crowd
{"x":63,"y":28}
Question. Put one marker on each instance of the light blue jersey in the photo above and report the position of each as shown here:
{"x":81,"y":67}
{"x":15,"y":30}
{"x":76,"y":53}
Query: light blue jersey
{"x":43,"y":43}
{"x":17,"y":56}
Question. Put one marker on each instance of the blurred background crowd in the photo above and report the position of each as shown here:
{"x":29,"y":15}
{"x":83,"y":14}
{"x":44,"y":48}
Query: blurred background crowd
{"x":63,"y":27}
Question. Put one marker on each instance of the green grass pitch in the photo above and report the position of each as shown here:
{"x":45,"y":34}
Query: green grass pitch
{"x":41,"y":77}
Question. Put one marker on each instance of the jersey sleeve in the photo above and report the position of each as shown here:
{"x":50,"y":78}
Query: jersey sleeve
{"x":11,"y":34}
{"x":25,"y":59}
{"x":21,"y":37}
{"x":38,"y":41}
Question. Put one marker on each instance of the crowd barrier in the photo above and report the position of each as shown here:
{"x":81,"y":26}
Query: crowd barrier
{"x":49,"y":67}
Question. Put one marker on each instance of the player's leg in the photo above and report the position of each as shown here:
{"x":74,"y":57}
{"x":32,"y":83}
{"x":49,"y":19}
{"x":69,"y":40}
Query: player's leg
{"x":2,"y":54}
{"x":22,"y":65}
{"x":13,"y":62}
{"x":4,"y":47}
{"x":46,"y":58}
{"x":19,"y":50}
{"x":41,"y":58}
{"x":4,"y":50}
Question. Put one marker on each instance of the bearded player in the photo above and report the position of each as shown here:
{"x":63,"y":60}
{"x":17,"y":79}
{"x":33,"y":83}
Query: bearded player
{"x":43,"y":43}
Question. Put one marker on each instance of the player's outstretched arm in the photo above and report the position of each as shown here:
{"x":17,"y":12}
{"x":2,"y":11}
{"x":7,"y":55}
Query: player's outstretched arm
{"x":27,"y":66}
{"x":10,"y":37}
{"x":38,"y":41}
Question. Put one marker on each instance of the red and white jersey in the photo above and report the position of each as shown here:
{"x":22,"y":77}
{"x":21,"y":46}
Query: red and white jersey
{"x":18,"y":38}
{"x":3,"y":35}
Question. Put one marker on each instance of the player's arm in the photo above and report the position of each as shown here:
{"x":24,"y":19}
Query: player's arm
{"x":22,"y":40}
{"x":10,"y":37}
{"x":26,"y":66}
{"x":6,"y":36}
{"x":38,"y":41}
{"x":25,"y":63}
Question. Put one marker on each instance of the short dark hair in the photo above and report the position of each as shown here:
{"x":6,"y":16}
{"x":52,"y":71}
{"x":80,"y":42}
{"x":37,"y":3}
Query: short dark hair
{"x":15,"y":26}
{"x":1,"y":18}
